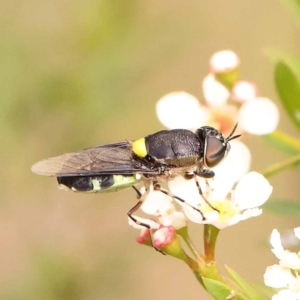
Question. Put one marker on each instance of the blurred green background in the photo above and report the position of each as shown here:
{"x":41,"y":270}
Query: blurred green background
{"x":74,"y":74}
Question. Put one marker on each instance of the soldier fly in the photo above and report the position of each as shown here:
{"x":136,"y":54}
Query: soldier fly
{"x":153,"y":159}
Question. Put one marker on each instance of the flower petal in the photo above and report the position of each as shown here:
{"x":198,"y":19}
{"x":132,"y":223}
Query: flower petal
{"x":275,"y":240}
{"x":231,"y":169}
{"x":222,"y":223}
{"x":187,"y":190}
{"x":179,"y":110}
{"x":223,"y":61}
{"x":244,"y":91}
{"x":286,"y":295}
{"x":215,"y":93}
{"x":297,"y":232}
{"x":278,"y":277}
{"x":290,"y":260}
{"x":196,"y":217}
{"x":151,"y":223}
{"x":250,"y":213}
{"x":260,"y":116}
{"x":286,"y":258}
{"x":157,"y":204}
{"x":252,"y":191}
{"x":176,"y":219}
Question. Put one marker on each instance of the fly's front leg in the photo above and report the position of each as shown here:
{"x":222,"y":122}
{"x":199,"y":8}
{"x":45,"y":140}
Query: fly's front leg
{"x":157,"y":187}
{"x":135,"y":208}
{"x":199,"y":187}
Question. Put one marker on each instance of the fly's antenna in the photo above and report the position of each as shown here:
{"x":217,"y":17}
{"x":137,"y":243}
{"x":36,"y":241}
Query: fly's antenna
{"x":231,"y":137}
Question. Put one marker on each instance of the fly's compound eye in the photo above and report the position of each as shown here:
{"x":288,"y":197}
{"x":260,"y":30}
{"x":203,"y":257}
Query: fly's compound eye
{"x":215,"y":151}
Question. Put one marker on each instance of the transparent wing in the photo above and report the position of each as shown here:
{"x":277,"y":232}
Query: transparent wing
{"x":106,"y":159}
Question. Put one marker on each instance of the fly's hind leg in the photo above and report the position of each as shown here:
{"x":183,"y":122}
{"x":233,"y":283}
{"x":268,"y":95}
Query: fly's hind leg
{"x":141,"y":197}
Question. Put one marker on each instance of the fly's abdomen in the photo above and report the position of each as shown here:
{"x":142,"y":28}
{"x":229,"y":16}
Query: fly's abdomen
{"x":98,"y":184}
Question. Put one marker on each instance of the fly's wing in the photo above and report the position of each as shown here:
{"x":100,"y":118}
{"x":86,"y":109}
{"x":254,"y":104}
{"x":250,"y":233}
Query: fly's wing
{"x":100,"y":160}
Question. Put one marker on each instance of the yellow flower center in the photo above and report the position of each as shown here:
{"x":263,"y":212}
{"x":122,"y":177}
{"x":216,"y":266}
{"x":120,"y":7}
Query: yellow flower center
{"x":226,"y":209}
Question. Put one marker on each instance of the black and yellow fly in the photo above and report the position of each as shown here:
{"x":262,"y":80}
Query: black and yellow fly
{"x":153,"y":159}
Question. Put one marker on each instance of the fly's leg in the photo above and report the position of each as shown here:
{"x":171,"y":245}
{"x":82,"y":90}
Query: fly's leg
{"x":157,"y":187}
{"x":141,"y":197}
{"x":205,"y":173}
{"x":201,"y":193}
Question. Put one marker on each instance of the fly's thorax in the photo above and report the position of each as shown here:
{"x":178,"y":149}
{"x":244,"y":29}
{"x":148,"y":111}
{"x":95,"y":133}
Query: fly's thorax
{"x":171,"y":148}
{"x":98,"y":184}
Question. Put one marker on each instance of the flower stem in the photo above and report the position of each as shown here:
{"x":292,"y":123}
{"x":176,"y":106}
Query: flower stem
{"x":210,"y":239}
{"x":286,"y":164}
{"x":190,"y":244}
{"x":194,"y":266}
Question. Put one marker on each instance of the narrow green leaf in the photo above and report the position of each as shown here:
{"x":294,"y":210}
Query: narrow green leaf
{"x":276,"y":168}
{"x":283,"y":207}
{"x":289,"y":91}
{"x":220,"y":291}
{"x":283,"y":142}
{"x":244,"y":285}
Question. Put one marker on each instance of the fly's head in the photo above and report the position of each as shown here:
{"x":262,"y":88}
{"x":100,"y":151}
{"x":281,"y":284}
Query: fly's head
{"x":215,"y":145}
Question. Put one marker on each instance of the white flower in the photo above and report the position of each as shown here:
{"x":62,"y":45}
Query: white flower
{"x":259,"y":116}
{"x":251,"y":192}
{"x":180,"y":110}
{"x":285,"y":275}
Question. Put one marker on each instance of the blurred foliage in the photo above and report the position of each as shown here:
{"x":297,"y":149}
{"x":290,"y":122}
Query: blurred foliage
{"x":287,"y":82}
{"x":283,"y":142}
{"x":284,"y":207}
{"x":288,"y":88}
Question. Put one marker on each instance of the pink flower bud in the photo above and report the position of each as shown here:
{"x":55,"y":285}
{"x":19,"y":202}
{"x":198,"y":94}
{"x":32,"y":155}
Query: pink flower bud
{"x":164,"y":236}
{"x":144,"y":237}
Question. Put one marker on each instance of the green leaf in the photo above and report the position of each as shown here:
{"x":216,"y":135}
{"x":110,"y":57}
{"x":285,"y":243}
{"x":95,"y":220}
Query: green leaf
{"x":283,"y":207}
{"x":277,"y":55}
{"x":294,"y":7}
{"x":244,"y":285}
{"x":219,"y":290}
{"x":283,"y":142}
{"x":288,"y":88}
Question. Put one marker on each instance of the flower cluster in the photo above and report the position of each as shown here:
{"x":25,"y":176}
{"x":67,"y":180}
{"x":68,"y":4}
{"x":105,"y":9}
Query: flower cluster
{"x":227,"y":100}
{"x":234,"y":194}
{"x":284,"y":275}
